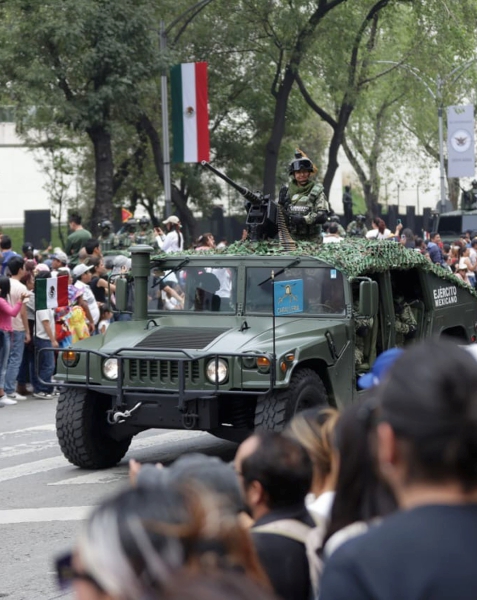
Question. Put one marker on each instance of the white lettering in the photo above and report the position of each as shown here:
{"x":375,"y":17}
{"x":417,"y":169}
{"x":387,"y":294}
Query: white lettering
{"x":445,"y":295}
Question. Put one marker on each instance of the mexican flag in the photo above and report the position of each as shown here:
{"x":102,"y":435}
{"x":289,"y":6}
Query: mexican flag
{"x":190,"y":116}
{"x":51,"y":292}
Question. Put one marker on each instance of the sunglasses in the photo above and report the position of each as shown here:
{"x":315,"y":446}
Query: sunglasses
{"x":66,"y":573}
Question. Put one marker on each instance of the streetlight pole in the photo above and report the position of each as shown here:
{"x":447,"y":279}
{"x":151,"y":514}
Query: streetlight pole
{"x":166,"y":164}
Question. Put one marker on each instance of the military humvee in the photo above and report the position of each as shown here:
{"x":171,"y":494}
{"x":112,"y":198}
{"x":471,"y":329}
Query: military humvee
{"x":256,"y":336}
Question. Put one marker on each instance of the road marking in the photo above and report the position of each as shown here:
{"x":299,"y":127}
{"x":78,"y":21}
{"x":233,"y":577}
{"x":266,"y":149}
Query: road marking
{"x":42,"y":515}
{"x":49,"y":428}
{"x":57,"y":462}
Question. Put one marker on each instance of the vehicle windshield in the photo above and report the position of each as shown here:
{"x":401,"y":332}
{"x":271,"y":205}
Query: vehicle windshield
{"x":192,"y":288}
{"x":309,"y":291}
{"x":454,"y":225}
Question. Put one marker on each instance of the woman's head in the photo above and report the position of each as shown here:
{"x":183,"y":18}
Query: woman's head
{"x":4,"y":286}
{"x":206,"y":239}
{"x":379,"y":224}
{"x":314,"y":429}
{"x":428,"y":433}
{"x":361,"y":495}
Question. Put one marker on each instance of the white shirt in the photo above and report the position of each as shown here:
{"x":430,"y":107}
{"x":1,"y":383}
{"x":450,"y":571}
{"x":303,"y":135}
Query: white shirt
{"x":16,"y":290}
{"x":331,"y":239}
{"x":90,"y":299}
{"x":172,"y":242}
{"x":321,"y":505}
{"x":48,"y":314}
{"x":373,"y":234}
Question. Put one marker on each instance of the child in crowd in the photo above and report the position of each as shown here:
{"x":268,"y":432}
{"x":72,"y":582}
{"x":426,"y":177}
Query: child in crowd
{"x":106,"y":314}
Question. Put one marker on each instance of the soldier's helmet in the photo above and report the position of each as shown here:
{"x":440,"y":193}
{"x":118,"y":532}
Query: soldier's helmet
{"x":334,"y":219}
{"x":360,"y":218}
{"x":105,"y":225}
{"x":144,"y":222}
{"x":131,"y":224}
{"x":300,"y":162}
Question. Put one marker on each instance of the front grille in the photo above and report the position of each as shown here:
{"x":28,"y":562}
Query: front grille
{"x":156,"y":372}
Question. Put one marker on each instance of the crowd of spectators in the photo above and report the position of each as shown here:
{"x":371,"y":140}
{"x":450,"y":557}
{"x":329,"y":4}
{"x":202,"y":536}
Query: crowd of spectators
{"x":374,"y":502}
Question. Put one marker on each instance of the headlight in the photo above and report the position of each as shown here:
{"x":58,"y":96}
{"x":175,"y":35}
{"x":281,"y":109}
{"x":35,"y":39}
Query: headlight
{"x":70,"y":358}
{"x":249,"y":362}
{"x":217,"y":371}
{"x":110,"y":368}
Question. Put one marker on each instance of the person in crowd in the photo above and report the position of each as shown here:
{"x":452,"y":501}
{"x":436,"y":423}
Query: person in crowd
{"x":333,"y":235}
{"x":76,"y":239}
{"x":276,"y":474}
{"x":407,"y":238}
{"x":93,"y":248}
{"x":134,"y":543}
{"x":426,"y":441}
{"x":304,"y":201}
{"x":58,"y":261}
{"x":357,"y":228}
{"x":347,"y":205}
{"x":27,"y":251}
{"x":25,"y":374}
{"x":462,"y":272}
{"x":100,"y":285}
{"x":82,"y":276}
{"x":217,"y":585}
{"x":435,"y":250}
{"x":106,"y":315}
{"x":173,"y":240}
{"x":314,"y":430}
{"x":205,"y":242}
{"x":6,"y":313}
{"x":378,"y":230}
{"x":44,"y":339}
{"x":21,"y":333}
{"x":6,"y":252}
{"x":467,"y":273}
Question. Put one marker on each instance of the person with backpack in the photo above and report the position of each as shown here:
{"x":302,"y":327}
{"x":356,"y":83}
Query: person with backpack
{"x":276,"y":473}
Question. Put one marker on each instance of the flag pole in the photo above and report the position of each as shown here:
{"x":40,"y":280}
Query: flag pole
{"x":166,"y":161}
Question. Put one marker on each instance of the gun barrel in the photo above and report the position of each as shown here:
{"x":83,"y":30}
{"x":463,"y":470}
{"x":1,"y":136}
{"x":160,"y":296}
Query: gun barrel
{"x":246,"y":193}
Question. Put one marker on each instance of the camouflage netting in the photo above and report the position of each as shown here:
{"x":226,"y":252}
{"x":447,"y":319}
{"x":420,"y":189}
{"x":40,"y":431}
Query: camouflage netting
{"x":353,"y":257}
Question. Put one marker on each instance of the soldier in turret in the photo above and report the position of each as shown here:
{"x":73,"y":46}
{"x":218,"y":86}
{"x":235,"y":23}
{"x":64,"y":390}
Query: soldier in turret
{"x":106,"y":237}
{"x":127,"y":237}
{"x":405,"y":321}
{"x":146,"y":234}
{"x":304,"y":202}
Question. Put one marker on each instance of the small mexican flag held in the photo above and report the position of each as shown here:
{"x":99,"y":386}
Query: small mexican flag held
{"x":190,"y":116}
{"x":51,"y":292}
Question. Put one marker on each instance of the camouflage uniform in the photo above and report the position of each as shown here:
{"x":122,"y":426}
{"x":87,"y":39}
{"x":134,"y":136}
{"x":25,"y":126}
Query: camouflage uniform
{"x":405,"y":322}
{"x":356,"y":229}
{"x":146,"y":237}
{"x":341,"y":230}
{"x":305,"y":209}
{"x":107,"y":241}
{"x":362,"y":327}
{"x":127,"y":237}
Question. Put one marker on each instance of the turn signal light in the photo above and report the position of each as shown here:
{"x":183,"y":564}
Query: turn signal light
{"x":70,"y":358}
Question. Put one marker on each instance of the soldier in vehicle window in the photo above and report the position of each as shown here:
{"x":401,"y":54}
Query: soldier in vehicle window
{"x":304,"y":202}
{"x":357,"y":228}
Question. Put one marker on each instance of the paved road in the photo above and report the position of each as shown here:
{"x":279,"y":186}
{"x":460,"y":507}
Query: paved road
{"x":43,"y":498}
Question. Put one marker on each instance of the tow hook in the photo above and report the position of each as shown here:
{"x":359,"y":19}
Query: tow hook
{"x":189,"y":420}
{"x":120,"y":417}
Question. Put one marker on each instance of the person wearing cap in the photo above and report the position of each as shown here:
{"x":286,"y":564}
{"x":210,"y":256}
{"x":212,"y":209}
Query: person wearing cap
{"x":58,"y":261}
{"x":304,"y":201}
{"x":28,"y":251}
{"x":173,"y":240}
{"x":379,"y":369}
{"x":82,"y":275}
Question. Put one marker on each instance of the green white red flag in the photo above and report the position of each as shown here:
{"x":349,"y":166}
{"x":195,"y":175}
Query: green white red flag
{"x":190,"y":115}
{"x":51,"y":292}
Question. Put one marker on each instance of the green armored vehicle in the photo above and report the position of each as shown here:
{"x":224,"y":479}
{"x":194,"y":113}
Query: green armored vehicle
{"x":228,"y":341}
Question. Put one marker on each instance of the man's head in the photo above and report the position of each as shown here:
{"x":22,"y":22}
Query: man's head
{"x":93,"y":247}
{"x":360,"y":220}
{"x":131,"y":225}
{"x":275,"y":472}
{"x":58,"y":260}
{"x":106,"y":226}
{"x":435,"y":237}
{"x":6,"y":243}
{"x":74,"y":220}
{"x":16,"y":266}
{"x":333,"y":228}
{"x":144,"y":223}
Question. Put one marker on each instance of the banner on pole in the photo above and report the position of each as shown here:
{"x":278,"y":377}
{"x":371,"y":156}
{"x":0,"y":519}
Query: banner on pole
{"x":460,"y":141}
{"x":190,"y":114}
{"x":288,"y":297}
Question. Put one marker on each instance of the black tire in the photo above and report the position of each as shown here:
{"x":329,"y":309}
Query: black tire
{"x":82,"y":430}
{"x":306,"y":390}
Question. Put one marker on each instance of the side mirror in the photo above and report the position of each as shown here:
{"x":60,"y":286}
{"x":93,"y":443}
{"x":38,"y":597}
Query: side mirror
{"x":368,"y":298}
{"x":121,"y":294}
